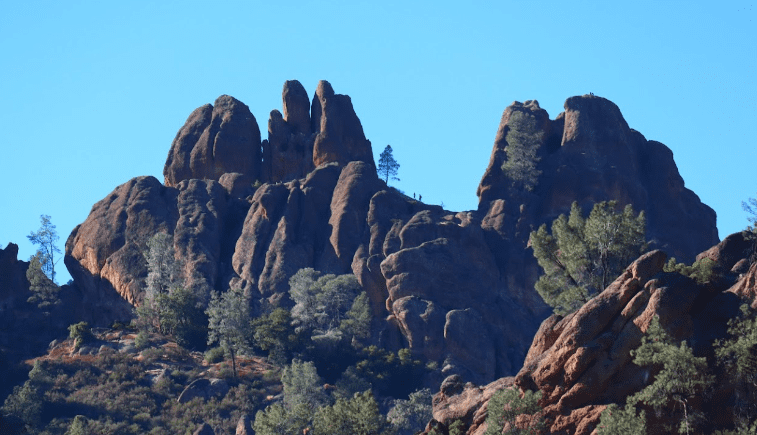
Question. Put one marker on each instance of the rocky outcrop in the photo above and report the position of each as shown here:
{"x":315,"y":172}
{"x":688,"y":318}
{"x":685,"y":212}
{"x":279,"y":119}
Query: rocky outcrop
{"x":13,"y":283}
{"x":105,"y":254}
{"x":589,"y":154}
{"x":215,"y":140}
{"x":582,"y":362}
{"x":454,"y":287}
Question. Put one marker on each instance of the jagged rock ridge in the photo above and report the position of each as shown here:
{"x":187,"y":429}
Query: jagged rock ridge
{"x":456,"y":287}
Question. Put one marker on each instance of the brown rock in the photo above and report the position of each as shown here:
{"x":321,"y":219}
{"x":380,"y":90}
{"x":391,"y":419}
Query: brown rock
{"x":582,"y":362}
{"x":296,"y":107}
{"x":105,"y":254}
{"x":215,"y":140}
{"x":244,"y":426}
{"x":465,"y":402}
{"x":340,"y":136}
{"x":730,"y":251}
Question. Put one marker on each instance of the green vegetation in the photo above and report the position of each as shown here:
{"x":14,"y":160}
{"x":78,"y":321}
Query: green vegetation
{"x":81,"y":334}
{"x":330,"y":309}
{"x":622,"y":421}
{"x":583,"y":256}
{"x":410,"y":416}
{"x":738,"y":356}
{"x":524,"y":138}
{"x":168,"y":306}
{"x":44,"y":291}
{"x":117,"y":394}
{"x":701,"y":270}
{"x":46,"y":238}
{"x":387,"y":166}
{"x":680,"y":377}
{"x":506,"y":405}
{"x":229,"y":323}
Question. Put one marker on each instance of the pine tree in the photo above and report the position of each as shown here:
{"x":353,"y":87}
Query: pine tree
{"x":44,"y":291}
{"x":229,"y":323}
{"x":681,"y":376}
{"x":524,"y":139}
{"x":583,"y":256}
{"x":46,"y":237}
{"x":506,"y":405}
{"x":388,"y":167}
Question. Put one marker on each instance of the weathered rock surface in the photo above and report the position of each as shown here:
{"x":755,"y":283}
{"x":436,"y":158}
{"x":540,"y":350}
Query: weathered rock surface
{"x":215,"y":140}
{"x":204,"y":389}
{"x":105,"y":254}
{"x":582,"y":362}
{"x":454,"y":287}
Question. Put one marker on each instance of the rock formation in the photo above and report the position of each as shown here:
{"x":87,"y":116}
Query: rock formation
{"x":456,"y":287}
{"x":582,"y":362}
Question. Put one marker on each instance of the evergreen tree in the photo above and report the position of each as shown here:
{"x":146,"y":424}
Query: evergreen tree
{"x":504,"y":408}
{"x":622,"y":421}
{"x":583,"y":256}
{"x":46,"y":238}
{"x":329,"y":308}
{"x":273,"y":333}
{"x":388,"y":167}
{"x":738,"y":355}
{"x":302,"y":385}
{"x":229,"y":323}
{"x":681,"y":376}
{"x":357,"y":416}
{"x":524,"y":139}
{"x":44,"y":291}
{"x":410,"y":416}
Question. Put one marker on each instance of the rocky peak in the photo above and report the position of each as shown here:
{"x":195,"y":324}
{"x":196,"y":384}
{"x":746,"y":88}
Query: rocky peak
{"x":296,"y":107}
{"x":215,"y":140}
{"x":589,"y":154}
{"x":225,"y":138}
{"x":340,"y":136}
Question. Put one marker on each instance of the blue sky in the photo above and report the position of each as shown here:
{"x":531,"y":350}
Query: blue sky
{"x":93,"y":93}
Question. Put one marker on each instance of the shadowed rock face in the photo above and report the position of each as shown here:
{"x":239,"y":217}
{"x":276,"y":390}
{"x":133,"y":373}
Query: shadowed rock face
{"x":455,"y":287}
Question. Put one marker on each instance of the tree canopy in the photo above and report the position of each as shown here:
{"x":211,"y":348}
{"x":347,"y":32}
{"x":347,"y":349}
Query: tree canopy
{"x":582,"y":256}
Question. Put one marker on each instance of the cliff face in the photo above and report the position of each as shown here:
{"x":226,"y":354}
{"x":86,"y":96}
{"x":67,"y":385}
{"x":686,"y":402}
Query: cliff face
{"x":456,"y":287}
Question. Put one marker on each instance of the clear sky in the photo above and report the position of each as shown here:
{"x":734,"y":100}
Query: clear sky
{"x":94,"y":92}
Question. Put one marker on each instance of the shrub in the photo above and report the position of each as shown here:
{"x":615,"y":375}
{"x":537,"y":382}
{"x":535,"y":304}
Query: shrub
{"x":506,"y":405}
{"x":702,"y":270}
{"x":81,"y":334}
{"x":142,"y":340}
{"x":214,"y":355}
{"x":615,"y":420}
